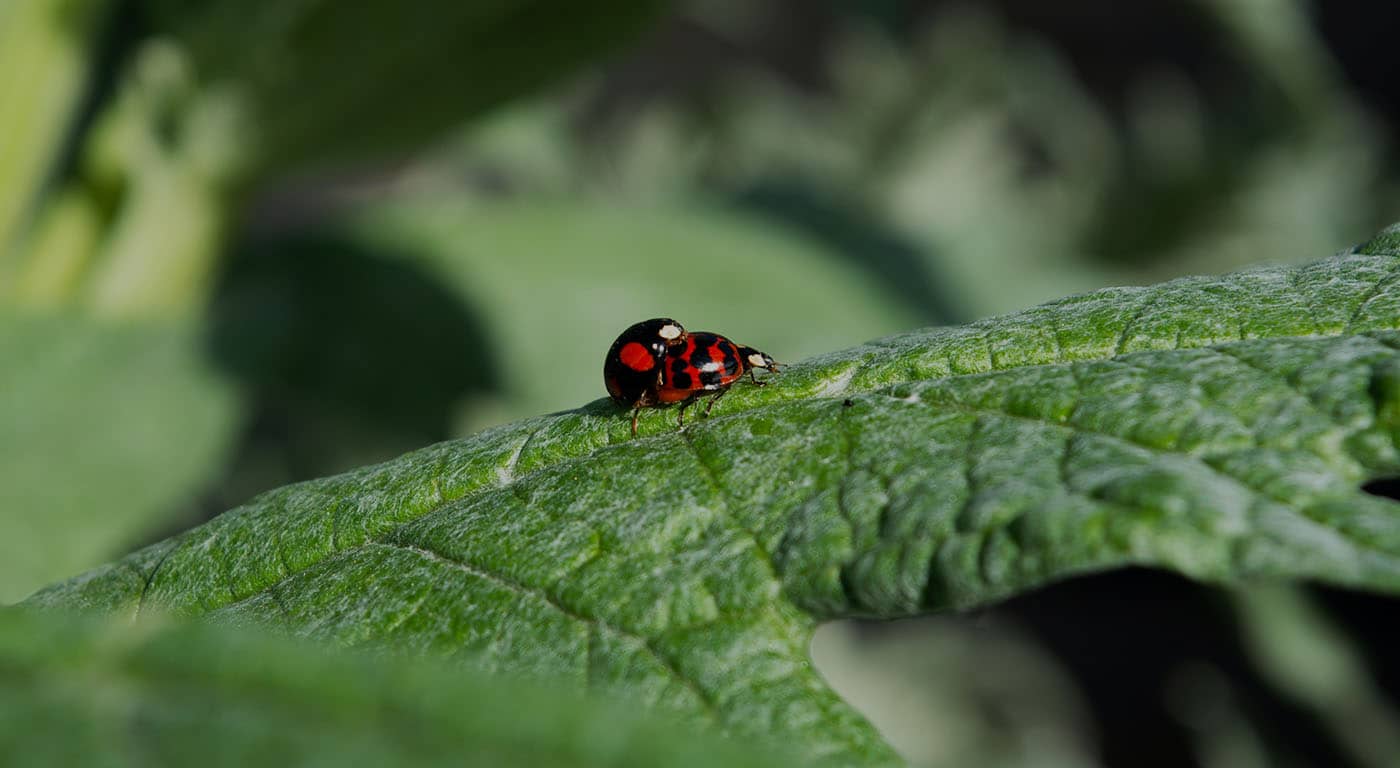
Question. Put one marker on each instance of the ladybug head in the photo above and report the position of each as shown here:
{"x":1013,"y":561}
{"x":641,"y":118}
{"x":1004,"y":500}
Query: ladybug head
{"x":755,"y":359}
{"x":632,"y":369}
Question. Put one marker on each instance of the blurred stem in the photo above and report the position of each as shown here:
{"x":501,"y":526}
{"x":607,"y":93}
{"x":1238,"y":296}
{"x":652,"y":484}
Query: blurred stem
{"x":67,"y":233}
{"x":1307,"y":659}
{"x":162,"y":248}
{"x":966,"y":42}
{"x":1277,"y":39}
{"x":44,"y":49}
{"x":138,"y":227}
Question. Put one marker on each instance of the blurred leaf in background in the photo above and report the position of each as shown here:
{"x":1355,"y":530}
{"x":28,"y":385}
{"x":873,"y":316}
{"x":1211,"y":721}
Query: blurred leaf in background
{"x":1024,"y":150}
{"x":105,"y":429}
{"x":82,"y":692}
{"x":347,"y":355}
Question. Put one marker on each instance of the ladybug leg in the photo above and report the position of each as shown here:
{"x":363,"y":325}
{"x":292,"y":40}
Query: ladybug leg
{"x":680,"y":417}
{"x":754,"y":376}
{"x":636,"y":411}
{"x":713,"y":400}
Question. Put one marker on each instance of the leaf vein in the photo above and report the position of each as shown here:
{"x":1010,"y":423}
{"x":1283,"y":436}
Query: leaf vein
{"x":1381,"y":284}
{"x":706,"y":699}
{"x":174,"y":544}
{"x":713,"y":477}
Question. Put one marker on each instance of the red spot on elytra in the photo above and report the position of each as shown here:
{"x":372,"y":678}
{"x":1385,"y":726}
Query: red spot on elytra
{"x":636,"y":356}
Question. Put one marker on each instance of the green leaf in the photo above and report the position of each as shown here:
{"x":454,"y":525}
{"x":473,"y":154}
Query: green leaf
{"x":106,"y":430}
{"x":1220,"y":427}
{"x":74,"y":692}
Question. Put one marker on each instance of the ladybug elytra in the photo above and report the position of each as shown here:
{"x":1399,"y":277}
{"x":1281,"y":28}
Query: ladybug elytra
{"x":632,"y":370}
{"x":656,"y":362}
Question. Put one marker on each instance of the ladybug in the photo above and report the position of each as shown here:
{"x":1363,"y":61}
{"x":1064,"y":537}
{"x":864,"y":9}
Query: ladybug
{"x":633,"y":368}
{"x":678,"y":368}
{"x":708,"y":362}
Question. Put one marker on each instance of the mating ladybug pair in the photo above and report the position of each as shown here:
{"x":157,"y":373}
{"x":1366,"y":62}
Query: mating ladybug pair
{"x":656,"y":362}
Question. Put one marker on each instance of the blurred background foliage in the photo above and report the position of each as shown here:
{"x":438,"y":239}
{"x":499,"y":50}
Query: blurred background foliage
{"x":243,"y":244}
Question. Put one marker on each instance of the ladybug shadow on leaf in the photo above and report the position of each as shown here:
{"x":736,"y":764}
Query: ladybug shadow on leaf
{"x":348,"y":356}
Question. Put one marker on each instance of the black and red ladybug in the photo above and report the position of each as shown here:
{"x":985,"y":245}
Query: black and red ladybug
{"x":632,"y":370}
{"x":656,"y":362}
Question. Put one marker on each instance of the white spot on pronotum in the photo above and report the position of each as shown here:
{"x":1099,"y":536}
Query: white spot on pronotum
{"x":756,"y":360}
{"x":669,"y":332}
